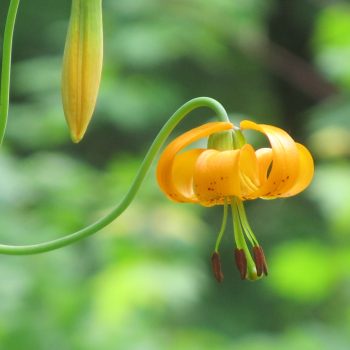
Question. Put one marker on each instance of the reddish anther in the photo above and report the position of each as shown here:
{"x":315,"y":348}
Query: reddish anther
{"x":241,"y":262}
{"x":216,"y":265}
{"x":260,"y":261}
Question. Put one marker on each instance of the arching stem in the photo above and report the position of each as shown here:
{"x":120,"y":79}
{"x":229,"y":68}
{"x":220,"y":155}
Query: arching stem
{"x":125,"y":202}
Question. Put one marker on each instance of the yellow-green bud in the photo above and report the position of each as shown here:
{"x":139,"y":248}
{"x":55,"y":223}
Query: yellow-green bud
{"x":82,"y":65}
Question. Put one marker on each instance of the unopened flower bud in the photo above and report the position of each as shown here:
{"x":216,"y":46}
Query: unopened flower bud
{"x":82,"y":65}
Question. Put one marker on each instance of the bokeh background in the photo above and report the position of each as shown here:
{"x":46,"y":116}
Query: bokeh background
{"x":145,"y":281}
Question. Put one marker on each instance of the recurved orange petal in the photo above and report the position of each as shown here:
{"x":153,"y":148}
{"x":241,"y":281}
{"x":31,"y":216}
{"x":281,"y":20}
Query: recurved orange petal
{"x":165,"y":173}
{"x":285,"y":160}
{"x":306,"y":172}
{"x":264,"y":156}
{"x":248,"y":171}
{"x":182,"y":175}
{"x":216,"y":176}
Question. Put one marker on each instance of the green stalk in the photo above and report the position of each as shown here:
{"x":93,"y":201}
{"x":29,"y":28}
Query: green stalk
{"x":6,"y":66}
{"x":128,"y":198}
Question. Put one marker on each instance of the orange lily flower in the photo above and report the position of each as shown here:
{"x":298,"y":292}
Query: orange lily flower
{"x":229,"y":172}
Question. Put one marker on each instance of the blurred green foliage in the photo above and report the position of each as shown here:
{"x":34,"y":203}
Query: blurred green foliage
{"x":145,"y":282}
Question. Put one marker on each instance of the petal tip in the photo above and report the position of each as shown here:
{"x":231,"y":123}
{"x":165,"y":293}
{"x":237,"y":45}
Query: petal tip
{"x":77,"y":137}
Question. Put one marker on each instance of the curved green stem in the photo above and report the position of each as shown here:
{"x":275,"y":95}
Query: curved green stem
{"x":125,"y":202}
{"x":6,"y":66}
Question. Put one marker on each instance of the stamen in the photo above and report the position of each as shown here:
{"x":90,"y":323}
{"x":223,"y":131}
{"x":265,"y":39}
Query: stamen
{"x":260,"y":261}
{"x":241,"y":262}
{"x":215,"y":258}
{"x":250,"y":270}
{"x":259,"y":257}
{"x":244,"y":221}
{"x":223,"y":227}
{"x":216,"y":265}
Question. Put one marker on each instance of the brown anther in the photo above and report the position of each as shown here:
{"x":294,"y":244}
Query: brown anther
{"x":216,"y":266}
{"x":260,"y":261}
{"x":241,"y":263}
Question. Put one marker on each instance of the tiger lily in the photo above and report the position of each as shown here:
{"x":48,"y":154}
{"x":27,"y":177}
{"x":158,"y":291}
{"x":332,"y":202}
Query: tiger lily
{"x":228,"y":172}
